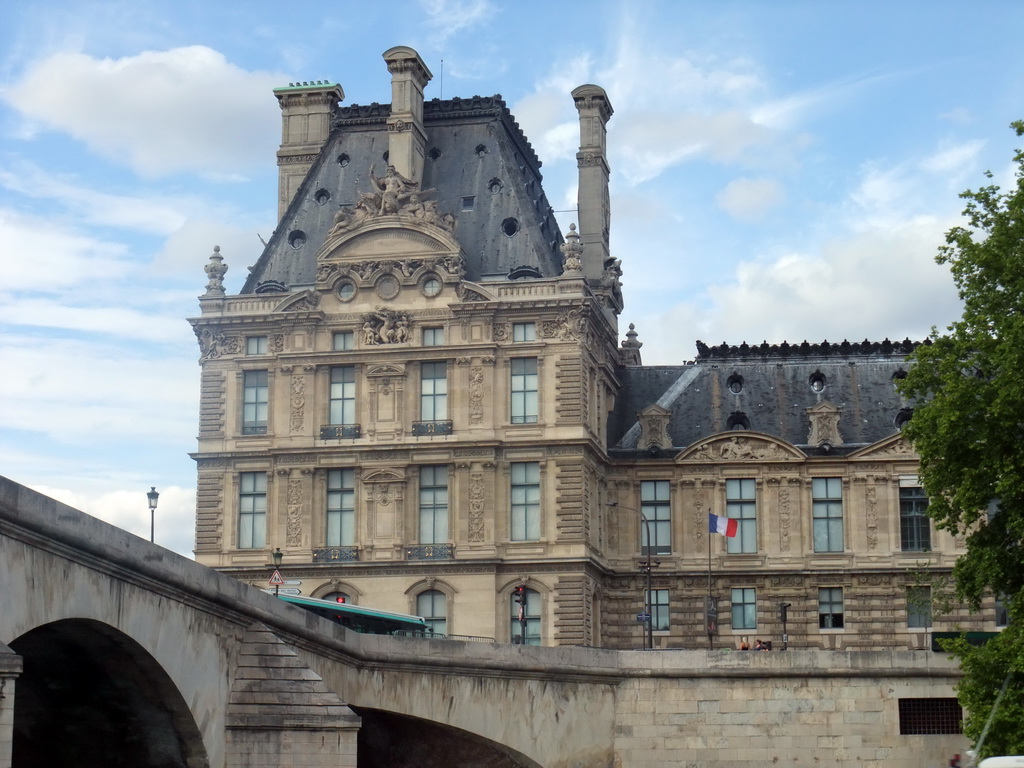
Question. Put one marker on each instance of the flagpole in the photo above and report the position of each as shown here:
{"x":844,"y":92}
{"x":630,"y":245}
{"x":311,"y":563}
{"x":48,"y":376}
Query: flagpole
{"x":707,"y":607}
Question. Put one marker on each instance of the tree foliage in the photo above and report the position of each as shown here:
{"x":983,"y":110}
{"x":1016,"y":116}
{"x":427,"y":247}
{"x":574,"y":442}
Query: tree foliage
{"x":967,"y":386}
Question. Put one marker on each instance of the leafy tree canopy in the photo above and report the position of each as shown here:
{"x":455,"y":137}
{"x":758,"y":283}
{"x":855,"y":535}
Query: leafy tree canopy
{"x":968,"y":428}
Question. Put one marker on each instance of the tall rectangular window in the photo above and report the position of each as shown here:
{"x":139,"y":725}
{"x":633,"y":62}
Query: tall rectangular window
{"x":524,"y":332}
{"x":919,"y":607}
{"x":254,"y":402}
{"x":655,"y":518}
{"x":525,"y":501}
{"x":827,"y":495}
{"x":658,"y":600}
{"x":830,"y":608}
{"x":343,"y":395}
{"x":433,"y":391}
{"x":744,"y":608}
{"x":341,"y":508}
{"x":524,"y":390}
{"x":915,"y":526}
{"x":256,"y":345}
{"x":434,"y":505}
{"x":252,"y":510}
{"x":433,"y":337}
{"x":1002,"y":611}
{"x":344,"y":341}
{"x":741,"y":506}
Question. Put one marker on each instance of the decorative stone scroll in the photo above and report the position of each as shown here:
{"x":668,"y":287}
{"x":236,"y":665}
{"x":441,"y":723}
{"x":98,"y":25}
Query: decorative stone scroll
{"x":824,"y":425}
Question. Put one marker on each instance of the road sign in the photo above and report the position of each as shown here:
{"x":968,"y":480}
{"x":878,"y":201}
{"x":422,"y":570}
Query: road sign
{"x":643,"y":617}
{"x":292,"y":582}
{"x":276,"y":580}
{"x":283,"y":591}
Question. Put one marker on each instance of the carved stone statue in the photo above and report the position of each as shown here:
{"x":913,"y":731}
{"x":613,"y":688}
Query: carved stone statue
{"x":385,"y":326}
{"x":392,"y":195}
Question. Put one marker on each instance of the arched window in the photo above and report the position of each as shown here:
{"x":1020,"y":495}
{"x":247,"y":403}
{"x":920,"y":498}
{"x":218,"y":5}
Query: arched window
{"x":531,"y":613}
{"x":432,"y":605}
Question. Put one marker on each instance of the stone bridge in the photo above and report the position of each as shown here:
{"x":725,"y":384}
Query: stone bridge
{"x":117,"y":652}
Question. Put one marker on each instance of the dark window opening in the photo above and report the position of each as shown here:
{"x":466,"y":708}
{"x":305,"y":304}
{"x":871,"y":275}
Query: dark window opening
{"x":930,"y":717}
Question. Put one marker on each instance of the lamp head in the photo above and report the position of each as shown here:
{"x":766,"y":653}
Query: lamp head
{"x":152,"y":497}
{"x":278,"y":556}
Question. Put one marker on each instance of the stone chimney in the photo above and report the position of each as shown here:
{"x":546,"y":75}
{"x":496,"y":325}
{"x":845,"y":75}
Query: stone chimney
{"x":407,"y":138}
{"x":306,"y":111}
{"x":594,"y":206}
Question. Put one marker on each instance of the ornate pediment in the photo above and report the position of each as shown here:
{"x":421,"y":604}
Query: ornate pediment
{"x":383,"y":475}
{"x":894,"y":447}
{"x":475,"y":293}
{"x":385,"y":370}
{"x":306,"y":301}
{"x":743,"y":446}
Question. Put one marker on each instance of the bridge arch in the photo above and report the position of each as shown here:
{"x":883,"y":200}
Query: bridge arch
{"x":90,"y":696}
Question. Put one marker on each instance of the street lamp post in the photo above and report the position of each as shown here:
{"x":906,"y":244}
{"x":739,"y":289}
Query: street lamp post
{"x":645,"y":568}
{"x":278,"y":556}
{"x":152,"y":498}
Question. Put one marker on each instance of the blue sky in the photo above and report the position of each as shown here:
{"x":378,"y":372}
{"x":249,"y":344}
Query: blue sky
{"x":780,"y":171}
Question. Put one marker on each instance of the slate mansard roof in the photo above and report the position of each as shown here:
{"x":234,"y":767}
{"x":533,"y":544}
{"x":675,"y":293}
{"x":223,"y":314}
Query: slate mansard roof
{"x":483,"y":171}
{"x":768,"y":389}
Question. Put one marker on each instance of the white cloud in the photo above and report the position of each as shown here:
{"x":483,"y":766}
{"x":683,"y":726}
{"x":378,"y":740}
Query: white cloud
{"x":159,"y":112}
{"x":173,"y":522}
{"x":954,"y":160}
{"x":87,"y":393}
{"x":877,"y":283}
{"x":141,"y":213}
{"x":41,"y":255}
{"x":191,"y":245}
{"x":750,"y":199}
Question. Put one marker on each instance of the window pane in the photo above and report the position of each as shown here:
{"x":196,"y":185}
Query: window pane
{"x":524,"y":390}
{"x":341,"y":508}
{"x":740,"y":506}
{"x":434,"y":505}
{"x":827,"y":493}
{"x":252,"y":510}
{"x":524,"y":332}
{"x":525,"y":495}
{"x":344,"y":341}
{"x":655,"y":517}
{"x":433,"y":337}
{"x":256,"y":345}
{"x":342,"y":408}
{"x":434,"y":391}
{"x":432,"y":605}
{"x":919,"y":607}
{"x":255,"y":394}
{"x":744,"y":608}
{"x":830,"y":607}
{"x":915,"y":526}
{"x":659,"y":609}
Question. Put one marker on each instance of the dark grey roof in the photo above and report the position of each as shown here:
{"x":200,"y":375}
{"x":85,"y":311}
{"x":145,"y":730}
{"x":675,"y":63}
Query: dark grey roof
{"x":775,"y":391}
{"x":475,"y":149}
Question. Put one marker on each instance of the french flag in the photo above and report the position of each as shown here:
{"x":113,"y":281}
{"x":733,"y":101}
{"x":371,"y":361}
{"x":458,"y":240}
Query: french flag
{"x":722,"y":525}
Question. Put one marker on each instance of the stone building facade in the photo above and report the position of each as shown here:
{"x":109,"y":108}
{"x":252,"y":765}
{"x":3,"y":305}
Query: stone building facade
{"x":421,"y":398}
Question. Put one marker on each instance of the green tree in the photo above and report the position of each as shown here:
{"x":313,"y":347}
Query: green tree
{"x":967,"y":385}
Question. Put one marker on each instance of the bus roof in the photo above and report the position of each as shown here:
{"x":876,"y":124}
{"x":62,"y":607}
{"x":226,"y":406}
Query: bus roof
{"x":1004,"y":761}
{"x":350,"y":608}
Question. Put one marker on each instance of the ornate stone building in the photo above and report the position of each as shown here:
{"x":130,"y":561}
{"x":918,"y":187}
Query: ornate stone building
{"x":419,"y":396}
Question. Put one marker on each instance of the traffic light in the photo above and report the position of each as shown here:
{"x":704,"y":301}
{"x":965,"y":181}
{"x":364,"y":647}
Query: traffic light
{"x":783,"y":612}
{"x":519,"y":593}
{"x":339,"y":599}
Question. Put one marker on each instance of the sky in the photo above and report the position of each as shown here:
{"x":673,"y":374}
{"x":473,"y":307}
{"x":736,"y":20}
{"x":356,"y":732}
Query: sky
{"x":780,"y":171}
